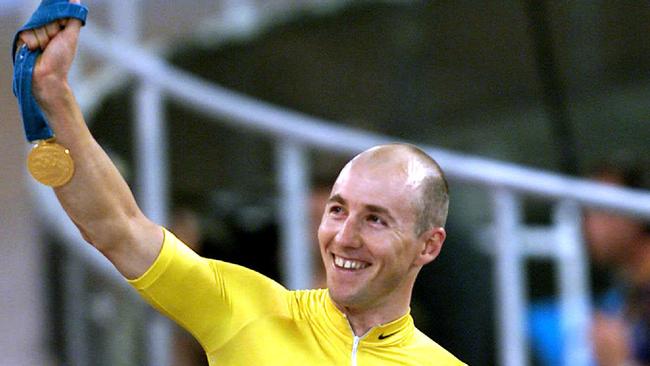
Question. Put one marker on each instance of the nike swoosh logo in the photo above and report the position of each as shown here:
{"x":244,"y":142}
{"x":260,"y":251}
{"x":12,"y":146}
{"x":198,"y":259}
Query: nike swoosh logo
{"x":382,"y":336}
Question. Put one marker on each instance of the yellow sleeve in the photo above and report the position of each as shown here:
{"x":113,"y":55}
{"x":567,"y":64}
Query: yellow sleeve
{"x":212,"y":299}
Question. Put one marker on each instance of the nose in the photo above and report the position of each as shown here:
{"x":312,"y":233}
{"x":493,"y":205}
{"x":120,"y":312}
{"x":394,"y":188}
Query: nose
{"x":348,"y":234}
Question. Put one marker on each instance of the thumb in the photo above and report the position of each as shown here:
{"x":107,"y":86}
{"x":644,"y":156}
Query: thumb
{"x":70,"y":33}
{"x":72,"y":25}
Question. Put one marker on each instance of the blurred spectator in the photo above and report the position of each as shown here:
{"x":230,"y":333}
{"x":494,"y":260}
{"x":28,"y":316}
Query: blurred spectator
{"x":621,"y":327}
{"x":620,"y":245}
{"x":458,"y":311}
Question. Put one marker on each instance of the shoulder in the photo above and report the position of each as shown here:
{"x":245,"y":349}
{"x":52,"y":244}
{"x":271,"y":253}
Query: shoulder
{"x":428,"y":351}
{"x":308,"y":303}
{"x":310,"y":295}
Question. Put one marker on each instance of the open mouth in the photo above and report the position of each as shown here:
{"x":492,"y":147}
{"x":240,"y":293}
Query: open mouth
{"x":350,"y":264}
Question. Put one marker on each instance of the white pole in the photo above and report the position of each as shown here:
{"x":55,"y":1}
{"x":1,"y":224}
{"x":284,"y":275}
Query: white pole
{"x":152,"y":189}
{"x":510,"y":299}
{"x":574,"y":290}
{"x":294,"y":215}
{"x":75,"y":311}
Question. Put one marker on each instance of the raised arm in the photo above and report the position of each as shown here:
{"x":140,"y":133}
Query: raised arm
{"x":97,"y":198}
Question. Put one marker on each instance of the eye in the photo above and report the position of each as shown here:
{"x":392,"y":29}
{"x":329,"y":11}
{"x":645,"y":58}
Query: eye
{"x":335,"y":210}
{"x":376,"y":220}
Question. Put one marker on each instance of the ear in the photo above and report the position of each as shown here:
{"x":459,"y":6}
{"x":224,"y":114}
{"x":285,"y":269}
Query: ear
{"x":432,"y":244}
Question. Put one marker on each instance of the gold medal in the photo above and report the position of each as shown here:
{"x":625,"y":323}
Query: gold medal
{"x":50,"y":163}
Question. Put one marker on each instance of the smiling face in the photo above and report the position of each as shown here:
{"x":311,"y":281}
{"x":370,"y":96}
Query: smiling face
{"x":368,"y":236}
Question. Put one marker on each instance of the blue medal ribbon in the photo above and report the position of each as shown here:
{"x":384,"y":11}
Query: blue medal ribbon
{"x":36,"y":127}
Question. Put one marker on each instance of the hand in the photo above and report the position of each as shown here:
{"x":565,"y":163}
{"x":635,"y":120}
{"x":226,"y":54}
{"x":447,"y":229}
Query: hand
{"x":58,"y":41}
{"x":611,"y":340}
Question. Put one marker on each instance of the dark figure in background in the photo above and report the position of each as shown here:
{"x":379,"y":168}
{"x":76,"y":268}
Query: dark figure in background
{"x":619,"y":252}
{"x":621,"y":327}
{"x":460,"y":310}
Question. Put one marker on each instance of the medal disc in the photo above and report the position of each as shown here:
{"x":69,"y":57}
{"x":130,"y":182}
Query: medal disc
{"x":50,"y":164}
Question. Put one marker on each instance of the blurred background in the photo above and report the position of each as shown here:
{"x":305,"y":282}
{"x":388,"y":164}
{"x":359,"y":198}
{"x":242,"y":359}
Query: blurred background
{"x":552,"y":86}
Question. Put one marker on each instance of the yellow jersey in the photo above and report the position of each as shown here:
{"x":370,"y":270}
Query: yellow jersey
{"x":243,"y":318}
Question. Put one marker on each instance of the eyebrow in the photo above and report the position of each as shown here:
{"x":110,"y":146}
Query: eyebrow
{"x":372,"y":208}
{"x":337,"y":198}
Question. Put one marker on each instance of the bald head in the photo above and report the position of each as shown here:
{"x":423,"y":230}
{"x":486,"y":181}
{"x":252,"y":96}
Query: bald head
{"x":431,"y":204}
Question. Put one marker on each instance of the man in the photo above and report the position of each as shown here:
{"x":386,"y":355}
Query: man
{"x":383,"y":221}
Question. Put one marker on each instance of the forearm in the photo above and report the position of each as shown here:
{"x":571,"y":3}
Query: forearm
{"x":96,"y":193}
{"x":97,"y":198}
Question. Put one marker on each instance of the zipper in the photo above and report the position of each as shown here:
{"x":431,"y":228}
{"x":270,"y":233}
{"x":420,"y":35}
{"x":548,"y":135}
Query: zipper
{"x":355,"y":348}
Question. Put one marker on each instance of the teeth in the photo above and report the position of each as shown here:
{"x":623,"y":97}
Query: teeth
{"x":348,"y":263}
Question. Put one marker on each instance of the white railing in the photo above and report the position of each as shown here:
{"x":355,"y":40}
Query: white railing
{"x":243,"y":111}
{"x":294,"y":132}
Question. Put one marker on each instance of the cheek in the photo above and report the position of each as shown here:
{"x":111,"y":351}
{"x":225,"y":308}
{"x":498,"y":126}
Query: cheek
{"x":387,"y":244}
{"x":325,"y":233}
{"x":400,"y":244}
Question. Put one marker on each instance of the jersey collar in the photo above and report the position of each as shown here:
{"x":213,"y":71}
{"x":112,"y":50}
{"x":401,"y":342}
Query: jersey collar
{"x":389,"y":333}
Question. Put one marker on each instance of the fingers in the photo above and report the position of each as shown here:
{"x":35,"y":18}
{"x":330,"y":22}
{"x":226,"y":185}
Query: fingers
{"x":41,"y":37}
{"x":52,"y":29}
{"x":38,"y":37}
{"x":29,"y":38}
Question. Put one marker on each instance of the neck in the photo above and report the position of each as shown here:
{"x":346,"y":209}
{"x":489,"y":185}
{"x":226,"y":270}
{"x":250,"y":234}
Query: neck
{"x":364,"y":318}
{"x":362,"y":322}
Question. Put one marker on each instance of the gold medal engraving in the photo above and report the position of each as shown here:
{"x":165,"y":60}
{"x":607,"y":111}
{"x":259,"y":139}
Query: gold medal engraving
{"x":50,"y":164}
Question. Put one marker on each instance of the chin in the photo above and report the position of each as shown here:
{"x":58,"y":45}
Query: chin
{"x":343,"y":298}
{"x":336,"y":295}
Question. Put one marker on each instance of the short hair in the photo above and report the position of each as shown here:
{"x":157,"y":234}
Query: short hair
{"x":432,"y":204}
